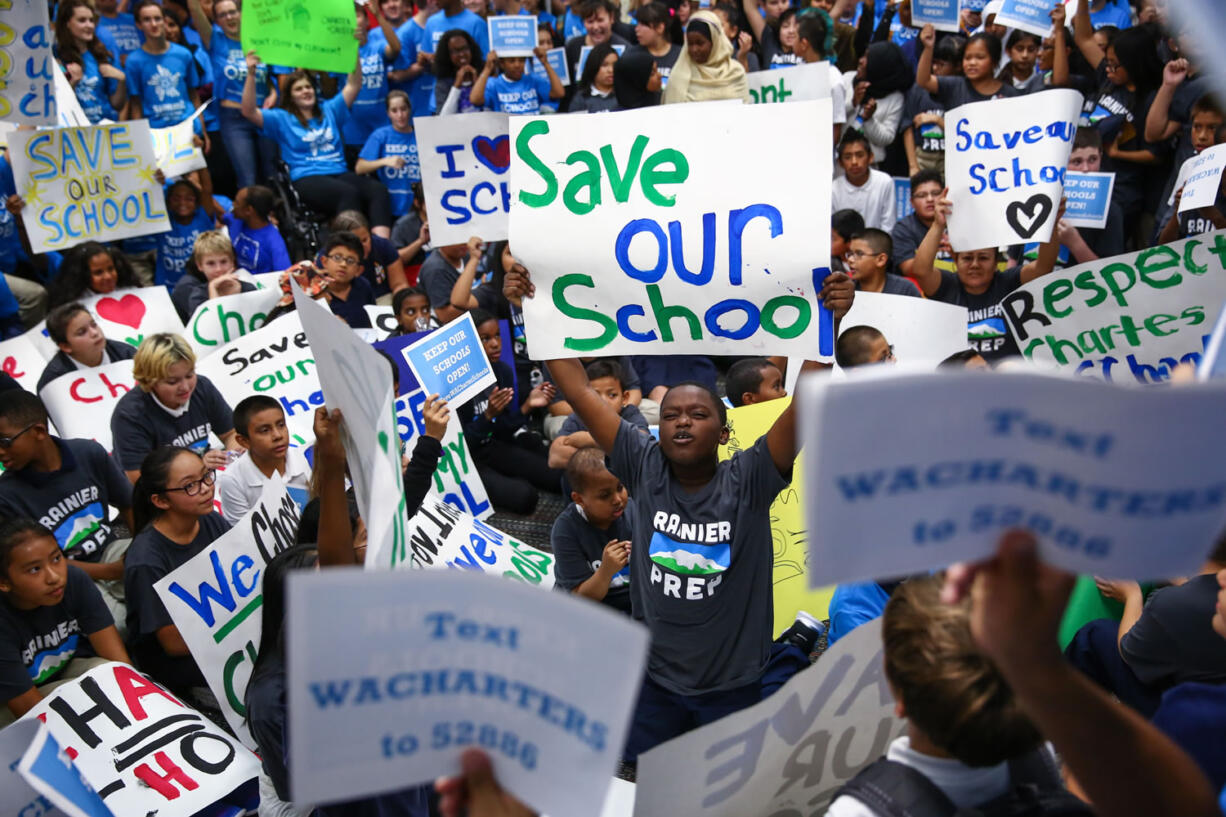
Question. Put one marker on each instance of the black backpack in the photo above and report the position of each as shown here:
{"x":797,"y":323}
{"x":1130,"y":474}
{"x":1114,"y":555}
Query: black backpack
{"x":892,"y":789}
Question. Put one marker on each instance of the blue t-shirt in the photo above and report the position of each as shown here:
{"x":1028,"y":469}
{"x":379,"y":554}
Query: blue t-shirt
{"x":230,"y":69}
{"x":161,"y":83}
{"x":1116,"y":13}
{"x":175,"y":247}
{"x":439,"y":24}
{"x":369,"y":110}
{"x":387,"y":141}
{"x":853,"y":605}
{"x":543,"y":17}
{"x":10,"y":241}
{"x":94,"y":91}
{"x":421,"y":90}
{"x":257,"y":250}
{"x":207,"y":90}
{"x":122,"y":31}
{"x":315,"y":150}
{"x":521,"y":97}
{"x":572,"y":25}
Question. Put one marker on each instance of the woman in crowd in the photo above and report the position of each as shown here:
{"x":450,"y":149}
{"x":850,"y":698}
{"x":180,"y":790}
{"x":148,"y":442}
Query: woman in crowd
{"x":707,"y":69}
{"x":100,"y":85}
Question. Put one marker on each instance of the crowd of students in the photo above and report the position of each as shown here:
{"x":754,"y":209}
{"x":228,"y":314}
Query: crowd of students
{"x":655,"y":525}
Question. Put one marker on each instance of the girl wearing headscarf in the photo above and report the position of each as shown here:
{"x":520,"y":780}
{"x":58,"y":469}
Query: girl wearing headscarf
{"x":636,"y":80}
{"x":707,"y":69}
{"x":885,"y":76}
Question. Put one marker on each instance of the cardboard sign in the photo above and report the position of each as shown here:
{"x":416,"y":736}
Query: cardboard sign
{"x":920,"y":330}
{"x":174,"y":149}
{"x":219,"y":321}
{"x":675,"y":259}
{"x":440,"y":536}
{"x":1132,"y":317}
{"x":314,"y":34}
{"x":557,"y":58}
{"x":942,"y":14}
{"x":80,"y":404}
{"x":902,"y":198}
{"x":1028,"y":15}
{"x":1088,"y":198}
{"x":464,"y":162}
{"x":87,"y":184}
{"x":22,"y":360}
{"x":787,"y":755}
{"x":27,"y":72}
{"x":512,"y":35}
{"x":1005,"y":162}
{"x":216,"y":599}
{"x":37,"y":779}
{"x":450,"y":362}
{"x":1095,"y":486}
{"x":797,"y":83}
{"x":141,"y":749}
{"x":1213,"y":364}
{"x":439,"y":661}
{"x":1203,"y":180}
{"x":355,"y":379}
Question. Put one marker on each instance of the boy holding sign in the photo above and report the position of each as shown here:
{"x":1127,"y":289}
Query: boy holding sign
{"x":512,"y":92}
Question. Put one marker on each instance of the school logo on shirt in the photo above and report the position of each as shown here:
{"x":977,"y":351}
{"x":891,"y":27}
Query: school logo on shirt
{"x":165,"y":83}
{"x":80,"y":527}
{"x":319,"y":140}
{"x":986,"y":329}
{"x":46,"y":654}
{"x":688,"y":559}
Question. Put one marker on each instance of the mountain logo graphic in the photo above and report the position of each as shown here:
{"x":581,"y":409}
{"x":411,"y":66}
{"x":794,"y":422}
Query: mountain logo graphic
{"x":689,"y":559}
{"x":49,"y":662}
{"x":79,"y":527}
{"x":987,"y":328}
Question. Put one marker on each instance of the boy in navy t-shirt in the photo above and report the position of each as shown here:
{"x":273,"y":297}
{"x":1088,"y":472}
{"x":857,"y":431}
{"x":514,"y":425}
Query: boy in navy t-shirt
{"x":512,"y":92}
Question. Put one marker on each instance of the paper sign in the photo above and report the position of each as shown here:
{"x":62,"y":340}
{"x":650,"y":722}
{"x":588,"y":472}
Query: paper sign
{"x":1213,"y":364}
{"x":174,"y":149}
{"x":451,"y":363}
{"x":1132,"y":317}
{"x":797,"y":83}
{"x":356,"y":380}
{"x":1004,"y":165}
{"x":27,"y":72}
{"x":442,"y":537}
{"x":23,"y":361}
{"x":464,"y":161}
{"x":513,"y":35}
{"x":587,"y":49}
{"x":1096,"y":486}
{"x":314,"y":34}
{"x":557,"y":58}
{"x":42,"y":791}
{"x":902,"y":198}
{"x":787,"y":755}
{"x":675,"y":259}
{"x":87,"y":184}
{"x":219,"y":321}
{"x":942,"y":14}
{"x":440,"y":661}
{"x":1028,"y":15}
{"x":141,"y":749}
{"x":69,"y":113}
{"x":80,"y":403}
{"x":216,"y":599}
{"x":920,"y":330}
{"x":1089,"y":198}
{"x":126,"y":315}
{"x":1203,"y":181}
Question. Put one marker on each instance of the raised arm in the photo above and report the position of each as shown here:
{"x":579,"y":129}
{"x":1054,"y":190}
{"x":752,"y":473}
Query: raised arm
{"x":335,"y":538}
{"x":250,"y":106}
{"x":462,"y":298}
{"x":353,"y":83}
{"x":204,"y":26}
{"x":1083,"y":36}
{"x":1059,"y":67}
{"x":392,"y":51}
{"x":923,"y":72}
{"x":556,"y":89}
{"x":1158,"y":124}
{"x":924,"y":268}
{"x":477,"y":95}
{"x":756,"y":22}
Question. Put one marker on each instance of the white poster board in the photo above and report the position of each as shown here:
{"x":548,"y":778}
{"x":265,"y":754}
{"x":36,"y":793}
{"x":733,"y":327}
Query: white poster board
{"x":920,"y":330}
{"x":464,"y":162}
{"x":219,"y":321}
{"x":174,"y":148}
{"x":80,"y":403}
{"x":797,"y":83}
{"x":1202,"y":180}
{"x":442,"y":537}
{"x":126,"y":315}
{"x":23,"y":360}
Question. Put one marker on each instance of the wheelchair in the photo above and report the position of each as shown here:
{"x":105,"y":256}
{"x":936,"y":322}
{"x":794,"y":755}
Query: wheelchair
{"x":302,"y":228}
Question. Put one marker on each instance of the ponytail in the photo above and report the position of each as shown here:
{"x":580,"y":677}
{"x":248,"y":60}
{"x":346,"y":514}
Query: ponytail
{"x":154,"y":475}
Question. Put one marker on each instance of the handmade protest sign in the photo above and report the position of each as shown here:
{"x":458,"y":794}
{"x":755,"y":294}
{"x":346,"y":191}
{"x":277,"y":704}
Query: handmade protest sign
{"x":174,"y":150}
{"x":314,"y":34}
{"x":82,"y":184}
{"x":126,"y":315}
{"x":942,"y":14}
{"x":798,"y":83}
{"x":787,"y":755}
{"x":1213,"y":364}
{"x":219,"y":321}
{"x":450,"y":362}
{"x":1203,"y":180}
{"x":39,"y":780}
{"x":355,"y":379}
{"x":1028,"y":15}
{"x":27,"y":71}
{"x":920,"y":330}
{"x":1005,"y":162}
{"x":80,"y":403}
{"x":437,"y":661}
{"x":464,"y":161}
{"x":1088,"y":198}
{"x":675,"y":260}
{"x":1097,"y":487}
{"x":512,"y":35}
{"x":141,"y":749}
{"x":1130,"y":317}
{"x":22,"y":360}
{"x":216,"y":599}
{"x":557,"y":58}
{"x":440,"y":536}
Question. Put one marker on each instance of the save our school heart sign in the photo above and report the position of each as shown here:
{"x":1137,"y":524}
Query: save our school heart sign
{"x":1005,"y":161}
{"x":464,"y":162}
{"x":126,"y":315}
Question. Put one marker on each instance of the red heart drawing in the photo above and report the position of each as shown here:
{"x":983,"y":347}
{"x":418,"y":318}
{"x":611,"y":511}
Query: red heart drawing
{"x":493,"y":153}
{"x":128,"y":310}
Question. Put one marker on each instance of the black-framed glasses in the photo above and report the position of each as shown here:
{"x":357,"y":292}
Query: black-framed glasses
{"x":345,"y":260}
{"x":5,"y":442}
{"x":192,"y":488}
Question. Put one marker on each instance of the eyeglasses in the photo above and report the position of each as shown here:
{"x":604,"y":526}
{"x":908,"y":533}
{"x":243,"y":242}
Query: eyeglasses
{"x":932,"y":194}
{"x":345,"y":260}
{"x":1111,"y":65}
{"x":192,"y":488}
{"x":230,"y":13}
{"x":5,"y":442}
{"x":854,"y":254}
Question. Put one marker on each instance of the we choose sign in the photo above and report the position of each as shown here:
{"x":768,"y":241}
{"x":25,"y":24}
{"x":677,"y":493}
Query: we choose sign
{"x":675,"y":259}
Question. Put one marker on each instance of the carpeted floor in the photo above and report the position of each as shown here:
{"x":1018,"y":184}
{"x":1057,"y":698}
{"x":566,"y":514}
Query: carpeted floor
{"x":534,"y":528}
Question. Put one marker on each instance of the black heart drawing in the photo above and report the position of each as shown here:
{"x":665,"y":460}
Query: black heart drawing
{"x":1039,"y":202}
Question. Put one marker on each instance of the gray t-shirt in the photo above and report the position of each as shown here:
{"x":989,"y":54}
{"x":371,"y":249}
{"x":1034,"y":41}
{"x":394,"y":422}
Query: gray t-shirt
{"x":701,"y":564}
{"x":578,"y":548}
{"x":437,"y":277}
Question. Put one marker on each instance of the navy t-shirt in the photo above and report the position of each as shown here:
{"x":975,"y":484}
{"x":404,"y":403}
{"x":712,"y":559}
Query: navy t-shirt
{"x":374,"y":266}
{"x":139,"y":424}
{"x":62,"y":364}
{"x":578,"y":548}
{"x":986,"y":330}
{"x":353,"y":308}
{"x":896,"y":285}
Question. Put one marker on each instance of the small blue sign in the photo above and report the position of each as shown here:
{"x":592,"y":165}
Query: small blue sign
{"x":451,"y":362}
{"x":557,"y":58}
{"x":1028,"y":15}
{"x":902,"y":198}
{"x":513,"y":35}
{"x":1088,"y":198}
{"x":943,"y":14}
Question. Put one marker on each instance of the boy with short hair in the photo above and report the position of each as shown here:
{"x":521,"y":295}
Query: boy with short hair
{"x":843,"y":225}
{"x":869,"y":260}
{"x":862,"y":188}
{"x":1206,"y":131}
{"x":258,"y":245}
{"x":753,"y":380}
{"x":591,"y":539}
{"x":511,"y":91}
{"x":926,"y":187}
{"x":259,"y":427}
{"x":449,"y":272}
{"x":608,"y":379}
{"x":348,"y":292}
{"x":862,"y":346}
{"x":1085,"y":244}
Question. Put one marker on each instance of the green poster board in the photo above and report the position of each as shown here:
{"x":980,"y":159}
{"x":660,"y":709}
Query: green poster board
{"x":315,"y":34}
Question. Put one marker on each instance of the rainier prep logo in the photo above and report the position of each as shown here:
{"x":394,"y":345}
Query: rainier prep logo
{"x":689,"y":559}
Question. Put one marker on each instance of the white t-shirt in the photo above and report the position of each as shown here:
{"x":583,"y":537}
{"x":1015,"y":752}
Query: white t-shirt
{"x":874,"y":199}
{"x":240,"y":485}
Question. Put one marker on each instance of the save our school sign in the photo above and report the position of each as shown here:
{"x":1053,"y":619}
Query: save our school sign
{"x":464,"y":162}
{"x":675,"y":259}
{"x":94,"y":183}
{"x":1130,"y":318}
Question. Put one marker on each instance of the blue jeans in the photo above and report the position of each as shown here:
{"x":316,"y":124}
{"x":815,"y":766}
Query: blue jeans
{"x":250,"y":153}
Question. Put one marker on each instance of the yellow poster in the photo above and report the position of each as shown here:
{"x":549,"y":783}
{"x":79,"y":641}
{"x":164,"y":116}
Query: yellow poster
{"x":792,"y":593}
